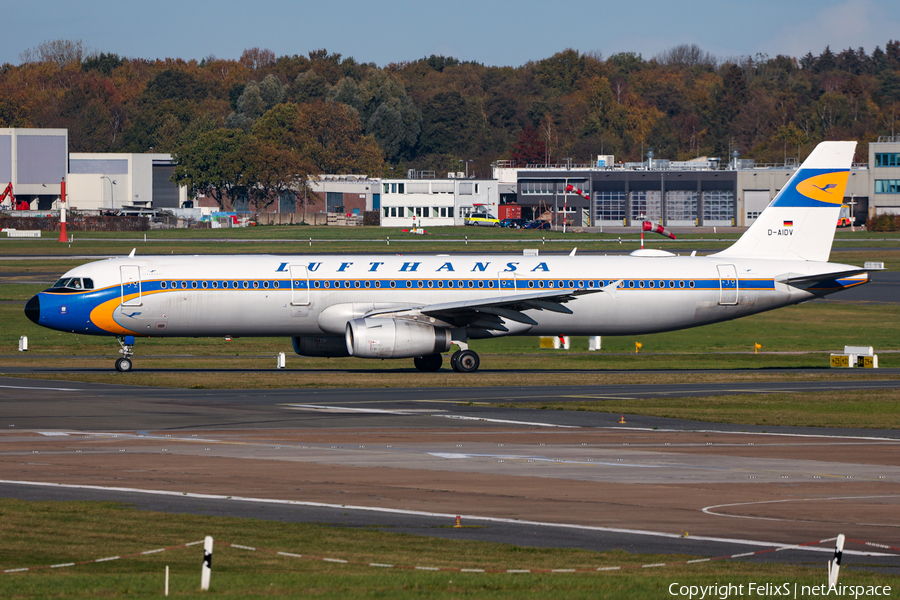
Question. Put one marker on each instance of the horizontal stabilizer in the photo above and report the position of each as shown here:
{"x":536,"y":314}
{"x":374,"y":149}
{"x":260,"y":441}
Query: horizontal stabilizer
{"x":829,"y":280}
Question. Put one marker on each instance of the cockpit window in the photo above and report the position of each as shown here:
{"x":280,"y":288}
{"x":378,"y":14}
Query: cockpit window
{"x":75,"y":283}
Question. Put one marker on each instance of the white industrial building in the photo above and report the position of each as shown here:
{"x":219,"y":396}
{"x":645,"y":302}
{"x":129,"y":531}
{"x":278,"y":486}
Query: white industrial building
{"x":884,"y":182}
{"x":35,"y":162}
{"x":431,"y":202}
{"x":109,"y":182}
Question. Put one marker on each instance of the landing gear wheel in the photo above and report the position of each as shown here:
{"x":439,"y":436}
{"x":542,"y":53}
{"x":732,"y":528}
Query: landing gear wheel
{"x":430,"y":363}
{"x":123,"y":365}
{"x":465,"y":361}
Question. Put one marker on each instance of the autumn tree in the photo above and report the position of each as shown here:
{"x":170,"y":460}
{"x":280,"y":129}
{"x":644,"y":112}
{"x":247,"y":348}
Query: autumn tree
{"x":214,"y":164}
{"x":270,"y":171}
{"x":326,"y":134}
{"x":530,"y":149}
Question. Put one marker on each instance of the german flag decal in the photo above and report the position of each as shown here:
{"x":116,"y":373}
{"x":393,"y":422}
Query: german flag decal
{"x":788,"y":223}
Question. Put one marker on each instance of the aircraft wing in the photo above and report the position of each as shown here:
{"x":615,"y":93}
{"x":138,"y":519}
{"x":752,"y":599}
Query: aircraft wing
{"x":491,"y":312}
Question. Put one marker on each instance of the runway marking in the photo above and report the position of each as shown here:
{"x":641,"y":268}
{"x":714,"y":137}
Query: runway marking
{"x":377,"y":411}
{"x":51,"y":389}
{"x":413,"y":412}
{"x":590,"y":397}
{"x":708,"y":510}
{"x":766,"y":433}
{"x":451,"y":516}
{"x":541,"y":459}
{"x":507,"y":421}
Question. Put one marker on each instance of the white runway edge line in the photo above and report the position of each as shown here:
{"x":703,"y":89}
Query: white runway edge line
{"x":756,"y":543}
{"x":381,"y":411}
{"x":34,"y":387}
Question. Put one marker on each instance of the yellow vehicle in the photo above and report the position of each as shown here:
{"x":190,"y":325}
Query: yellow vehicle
{"x":482,"y":218}
{"x":844,"y":219}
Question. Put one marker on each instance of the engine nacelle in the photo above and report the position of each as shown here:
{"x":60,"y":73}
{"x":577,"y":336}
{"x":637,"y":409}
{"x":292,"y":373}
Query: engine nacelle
{"x":394,"y":338}
{"x":330,"y":346}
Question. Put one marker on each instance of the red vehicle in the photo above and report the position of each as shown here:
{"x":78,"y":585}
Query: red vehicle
{"x":844,"y":219}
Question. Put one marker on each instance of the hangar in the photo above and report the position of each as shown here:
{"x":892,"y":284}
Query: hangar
{"x":684,"y":193}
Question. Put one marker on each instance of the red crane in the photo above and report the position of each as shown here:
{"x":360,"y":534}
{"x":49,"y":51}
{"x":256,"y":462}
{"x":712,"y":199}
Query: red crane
{"x":23,"y":205}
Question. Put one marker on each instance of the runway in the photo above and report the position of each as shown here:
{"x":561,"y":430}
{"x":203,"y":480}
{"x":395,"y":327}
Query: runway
{"x":410,"y":460}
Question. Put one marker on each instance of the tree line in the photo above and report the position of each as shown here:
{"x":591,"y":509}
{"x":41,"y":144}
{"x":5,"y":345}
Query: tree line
{"x":264,"y":123}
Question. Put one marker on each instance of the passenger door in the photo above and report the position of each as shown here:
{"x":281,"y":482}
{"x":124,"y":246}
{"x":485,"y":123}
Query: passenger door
{"x":299,"y":285}
{"x":131,"y":285}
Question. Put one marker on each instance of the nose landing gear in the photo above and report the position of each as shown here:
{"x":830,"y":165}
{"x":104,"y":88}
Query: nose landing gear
{"x":123,"y":365}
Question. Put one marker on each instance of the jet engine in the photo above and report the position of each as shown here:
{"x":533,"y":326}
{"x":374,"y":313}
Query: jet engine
{"x":328,"y":346}
{"x":394,"y":338}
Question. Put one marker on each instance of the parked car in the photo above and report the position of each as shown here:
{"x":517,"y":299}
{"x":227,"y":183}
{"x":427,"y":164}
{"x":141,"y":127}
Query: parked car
{"x":513,"y":223}
{"x":537,"y":224}
{"x":482,"y":218}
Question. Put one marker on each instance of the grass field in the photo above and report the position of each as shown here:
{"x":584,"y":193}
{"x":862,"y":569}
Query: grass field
{"x":51,"y":533}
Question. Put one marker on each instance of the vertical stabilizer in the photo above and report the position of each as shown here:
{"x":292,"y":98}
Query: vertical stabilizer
{"x":799,"y":224}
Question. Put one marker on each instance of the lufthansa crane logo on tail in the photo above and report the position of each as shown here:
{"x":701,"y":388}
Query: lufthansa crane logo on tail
{"x":827,"y":187}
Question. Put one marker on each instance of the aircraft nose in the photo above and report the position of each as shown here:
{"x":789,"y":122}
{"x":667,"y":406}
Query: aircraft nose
{"x":33,"y":309}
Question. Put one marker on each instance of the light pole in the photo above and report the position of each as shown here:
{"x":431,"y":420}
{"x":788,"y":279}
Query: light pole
{"x":112,"y":196}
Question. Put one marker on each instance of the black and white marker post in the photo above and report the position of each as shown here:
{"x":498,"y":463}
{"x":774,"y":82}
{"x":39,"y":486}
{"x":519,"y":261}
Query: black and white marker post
{"x":834,"y":565}
{"x":207,"y":563}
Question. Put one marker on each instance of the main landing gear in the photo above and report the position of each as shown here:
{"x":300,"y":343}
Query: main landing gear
{"x":123,"y":365}
{"x":465,"y":361}
{"x":462,"y":361}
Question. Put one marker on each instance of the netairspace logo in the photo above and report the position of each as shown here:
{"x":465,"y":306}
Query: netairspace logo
{"x":775,"y":590}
